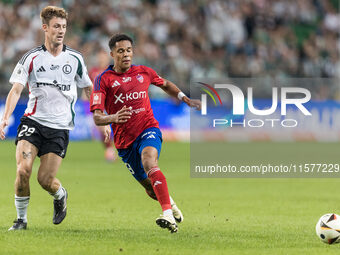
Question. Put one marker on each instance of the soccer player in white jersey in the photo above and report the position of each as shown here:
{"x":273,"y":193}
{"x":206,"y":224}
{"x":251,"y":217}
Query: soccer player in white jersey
{"x":52,"y":73}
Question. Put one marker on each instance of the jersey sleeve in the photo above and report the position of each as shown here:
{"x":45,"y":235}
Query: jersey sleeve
{"x":82,"y":77}
{"x":21,"y":72}
{"x":97,"y":100}
{"x":154,"y":77}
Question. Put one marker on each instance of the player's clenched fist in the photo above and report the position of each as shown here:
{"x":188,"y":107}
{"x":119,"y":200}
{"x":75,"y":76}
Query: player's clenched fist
{"x":3,"y":124}
{"x":122,"y":116}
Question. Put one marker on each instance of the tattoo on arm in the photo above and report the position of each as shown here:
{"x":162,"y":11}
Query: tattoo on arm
{"x":26,"y":155}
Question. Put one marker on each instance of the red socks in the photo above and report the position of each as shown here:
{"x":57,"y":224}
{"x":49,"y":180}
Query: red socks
{"x":160,"y":187}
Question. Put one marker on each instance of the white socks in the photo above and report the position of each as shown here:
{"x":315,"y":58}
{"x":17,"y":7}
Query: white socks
{"x":59,"y":194}
{"x":21,"y":204}
{"x":167,"y":212}
{"x":172,"y":201}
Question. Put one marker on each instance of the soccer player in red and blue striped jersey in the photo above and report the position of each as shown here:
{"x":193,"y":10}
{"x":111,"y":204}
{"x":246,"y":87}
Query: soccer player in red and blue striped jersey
{"x":122,"y":91}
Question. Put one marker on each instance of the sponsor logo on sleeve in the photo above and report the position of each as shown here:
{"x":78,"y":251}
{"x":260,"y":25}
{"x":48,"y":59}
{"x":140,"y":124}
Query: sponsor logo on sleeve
{"x":97,"y":98}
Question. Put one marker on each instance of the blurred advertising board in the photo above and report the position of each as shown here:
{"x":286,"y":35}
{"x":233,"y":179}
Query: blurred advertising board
{"x":172,"y":117}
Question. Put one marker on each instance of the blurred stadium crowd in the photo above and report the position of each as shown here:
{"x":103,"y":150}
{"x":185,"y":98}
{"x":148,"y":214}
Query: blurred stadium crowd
{"x":184,"y":39}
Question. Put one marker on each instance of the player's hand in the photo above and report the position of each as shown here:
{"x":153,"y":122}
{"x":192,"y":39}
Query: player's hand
{"x":193,"y":103}
{"x":123,"y":115}
{"x":107,"y":133}
{"x":3,"y":124}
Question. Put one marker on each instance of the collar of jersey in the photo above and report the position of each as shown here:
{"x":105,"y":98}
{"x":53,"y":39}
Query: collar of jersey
{"x":44,"y":48}
{"x":110,"y":68}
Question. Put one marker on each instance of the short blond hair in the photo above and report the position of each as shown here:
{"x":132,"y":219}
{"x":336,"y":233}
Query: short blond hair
{"x":49,"y":12}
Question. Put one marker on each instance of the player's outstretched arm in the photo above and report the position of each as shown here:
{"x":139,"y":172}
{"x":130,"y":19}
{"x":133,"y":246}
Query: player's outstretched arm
{"x":172,"y":90}
{"x":120,"y":117}
{"x":11,"y":102}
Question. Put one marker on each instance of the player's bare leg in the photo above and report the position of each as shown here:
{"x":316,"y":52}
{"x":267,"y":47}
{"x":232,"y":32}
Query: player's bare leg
{"x":25,"y":155}
{"x":159,"y":185}
{"x":49,"y":165}
{"x":146,"y":183}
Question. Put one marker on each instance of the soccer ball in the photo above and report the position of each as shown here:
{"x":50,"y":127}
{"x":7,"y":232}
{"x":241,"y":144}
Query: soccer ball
{"x":328,"y":228}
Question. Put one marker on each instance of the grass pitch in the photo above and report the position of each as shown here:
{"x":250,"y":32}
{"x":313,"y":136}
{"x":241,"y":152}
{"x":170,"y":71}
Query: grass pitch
{"x":109,"y":213}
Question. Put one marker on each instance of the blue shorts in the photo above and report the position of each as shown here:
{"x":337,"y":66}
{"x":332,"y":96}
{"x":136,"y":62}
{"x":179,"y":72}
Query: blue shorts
{"x":132,"y":156}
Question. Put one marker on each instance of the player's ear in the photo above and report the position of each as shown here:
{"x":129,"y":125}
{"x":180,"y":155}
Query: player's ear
{"x":44,"y":27}
{"x":111,"y":53}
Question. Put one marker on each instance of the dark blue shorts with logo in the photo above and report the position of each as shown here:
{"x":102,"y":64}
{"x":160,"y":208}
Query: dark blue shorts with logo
{"x":132,"y":156}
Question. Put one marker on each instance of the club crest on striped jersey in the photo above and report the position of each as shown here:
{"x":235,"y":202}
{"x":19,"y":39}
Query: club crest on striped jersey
{"x":140,"y":78}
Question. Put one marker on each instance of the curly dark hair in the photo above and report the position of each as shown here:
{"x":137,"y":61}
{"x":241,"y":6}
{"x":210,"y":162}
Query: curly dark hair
{"x":117,"y":38}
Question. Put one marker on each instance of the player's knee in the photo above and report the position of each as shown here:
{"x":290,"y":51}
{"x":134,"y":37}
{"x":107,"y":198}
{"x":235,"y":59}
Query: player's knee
{"x":147,"y":166}
{"x":23,"y":171}
{"x":148,"y":162}
{"x":45,"y":180}
{"x":149,"y":159}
